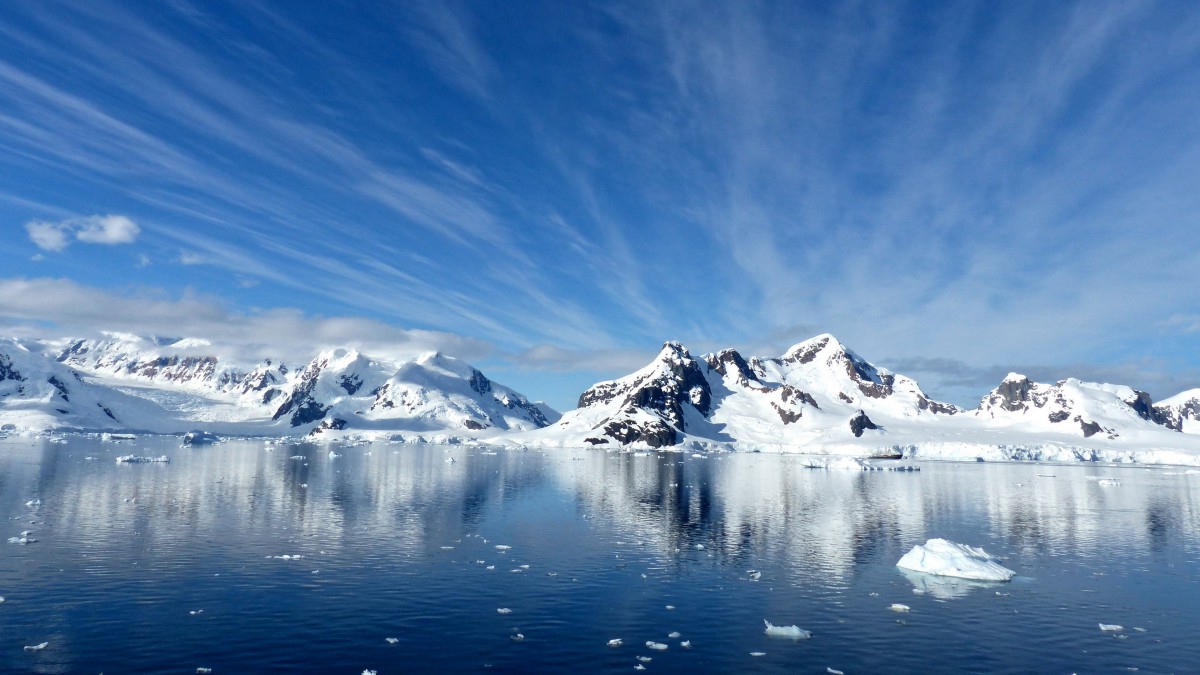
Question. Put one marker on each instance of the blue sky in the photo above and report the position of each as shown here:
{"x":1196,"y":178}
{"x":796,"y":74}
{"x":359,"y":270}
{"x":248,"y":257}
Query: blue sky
{"x":552,"y":189}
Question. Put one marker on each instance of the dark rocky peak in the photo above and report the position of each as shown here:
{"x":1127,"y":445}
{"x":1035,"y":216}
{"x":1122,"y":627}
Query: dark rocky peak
{"x":1145,"y":409}
{"x":867,"y":378}
{"x":729,"y":361}
{"x":479,"y":383}
{"x":1012,"y":395}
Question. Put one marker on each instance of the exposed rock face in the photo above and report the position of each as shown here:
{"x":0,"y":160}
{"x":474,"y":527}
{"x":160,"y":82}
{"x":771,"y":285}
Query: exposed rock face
{"x":8,"y":371}
{"x":860,"y":423}
{"x":300,"y":403}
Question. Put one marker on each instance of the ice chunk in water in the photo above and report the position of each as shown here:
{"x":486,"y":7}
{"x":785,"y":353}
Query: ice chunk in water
{"x":639,"y":667}
{"x":655,"y":645}
{"x":615,"y":642}
{"x":36,"y":648}
{"x":1111,"y":627}
{"x":502,"y":547}
{"x":897,"y":607}
{"x":946,"y":558}
{"x":831,"y":671}
{"x":686,"y":644}
{"x":793,"y":632}
{"x":674,"y":634}
{"x":21,"y":540}
{"x":392,"y":640}
{"x":368,"y":671}
{"x":503,"y":610}
{"x":758,"y":653}
{"x":202,"y":670}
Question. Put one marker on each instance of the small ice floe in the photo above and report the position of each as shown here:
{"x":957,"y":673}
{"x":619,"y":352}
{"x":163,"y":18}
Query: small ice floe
{"x":1111,"y":628}
{"x":368,"y":671}
{"x":699,"y":547}
{"x":897,"y":607}
{"x":674,"y":634}
{"x":447,"y":548}
{"x":946,"y":558}
{"x":285,"y":556}
{"x":194,"y":612}
{"x":645,"y":659}
{"x":639,"y":667}
{"x":297,"y":457}
{"x":758,"y":653}
{"x":450,"y":460}
{"x":616,"y":642}
{"x":202,"y":670}
{"x":21,"y":540}
{"x":524,"y":567}
{"x":334,"y":455}
{"x":503,"y":610}
{"x":392,"y":640}
{"x":503,"y":547}
{"x":490,"y":567}
{"x":517,"y":637}
{"x":670,"y":607}
{"x":138,"y":459}
{"x":831,"y":671}
{"x":656,"y":645}
{"x":1108,"y":482}
{"x":1,"y":599}
{"x":754,"y":575}
{"x":36,"y":648}
{"x":1140,"y":630}
{"x":686,"y":644}
{"x":33,"y":502}
{"x":792,"y":632}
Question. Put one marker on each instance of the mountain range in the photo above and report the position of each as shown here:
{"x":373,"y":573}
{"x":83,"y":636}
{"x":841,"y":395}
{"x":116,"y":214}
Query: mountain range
{"x":819,"y":397}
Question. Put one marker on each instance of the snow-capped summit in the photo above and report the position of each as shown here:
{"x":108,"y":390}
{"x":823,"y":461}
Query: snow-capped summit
{"x":38,"y":392}
{"x":1088,"y":407}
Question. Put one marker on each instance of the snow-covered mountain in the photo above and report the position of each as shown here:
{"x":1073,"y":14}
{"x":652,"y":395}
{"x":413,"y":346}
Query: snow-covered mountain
{"x":1182,"y":411}
{"x":1085,"y":408}
{"x":818,"y":392}
{"x":169,"y":386}
{"x":38,"y":392}
{"x":820,"y":397}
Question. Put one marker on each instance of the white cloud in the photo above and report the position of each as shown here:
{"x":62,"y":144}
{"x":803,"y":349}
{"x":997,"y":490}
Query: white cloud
{"x":107,"y":229}
{"x":43,"y":307}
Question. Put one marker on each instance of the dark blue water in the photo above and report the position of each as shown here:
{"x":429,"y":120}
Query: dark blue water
{"x":397,"y":542}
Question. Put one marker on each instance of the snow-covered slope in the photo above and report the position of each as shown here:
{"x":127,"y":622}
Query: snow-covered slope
{"x":172,"y":386}
{"x":820,"y":397}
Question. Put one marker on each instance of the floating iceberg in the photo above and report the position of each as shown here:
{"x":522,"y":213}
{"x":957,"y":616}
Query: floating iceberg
{"x":615,"y":642}
{"x":36,"y":648}
{"x":199,"y":438}
{"x":897,"y":607}
{"x":1111,"y":628}
{"x":793,"y":632}
{"x":948,"y":559}
{"x":138,"y":459}
{"x":655,"y":645}
{"x":21,"y":540}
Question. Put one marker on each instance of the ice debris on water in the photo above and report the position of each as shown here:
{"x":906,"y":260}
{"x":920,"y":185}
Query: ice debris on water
{"x":758,"y":653}
{"x":368,"y":671}
{"x":33,"y":502}
{"x":517,"y":637}
{"x":139,"y":459}
{"x":503,"y":610}
{"x":831,"y":671}
{"x":897,"y":607}
{"x":202,"y":670}
{"x":645,"y":659}
{"x":1108,"y":482}
{"x":1111,"y":627}
{"x":285,"y":556}
{"x":615,"y":642}
{"x":674,"y":634}
{"x":36,"y":648}
{"x":686,"y":644}
{"x":754,"y":575}
{"x":946,"y":558}
{"x":670,"y":607}
{"x":503,"y":547}
{"x":639,"y":667}
{"x":793,"y":632}
{"x":392,"y":640}
{"x":655,"y":645}
{"x":21,"y":540}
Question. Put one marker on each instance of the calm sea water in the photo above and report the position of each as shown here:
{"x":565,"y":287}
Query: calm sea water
{"x":166,"y":568}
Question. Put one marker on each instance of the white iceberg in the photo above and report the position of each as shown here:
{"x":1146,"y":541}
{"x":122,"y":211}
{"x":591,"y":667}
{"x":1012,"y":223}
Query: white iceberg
{"x":1111,"y":628}
{"x":793,"y":632}
{"x":21,"y":540}
{"x":948,"y":559}
{"x":655,"y":645}
{"x":615,"y":642}
{"x":36,"y":648}
{"x":898,"y":607}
